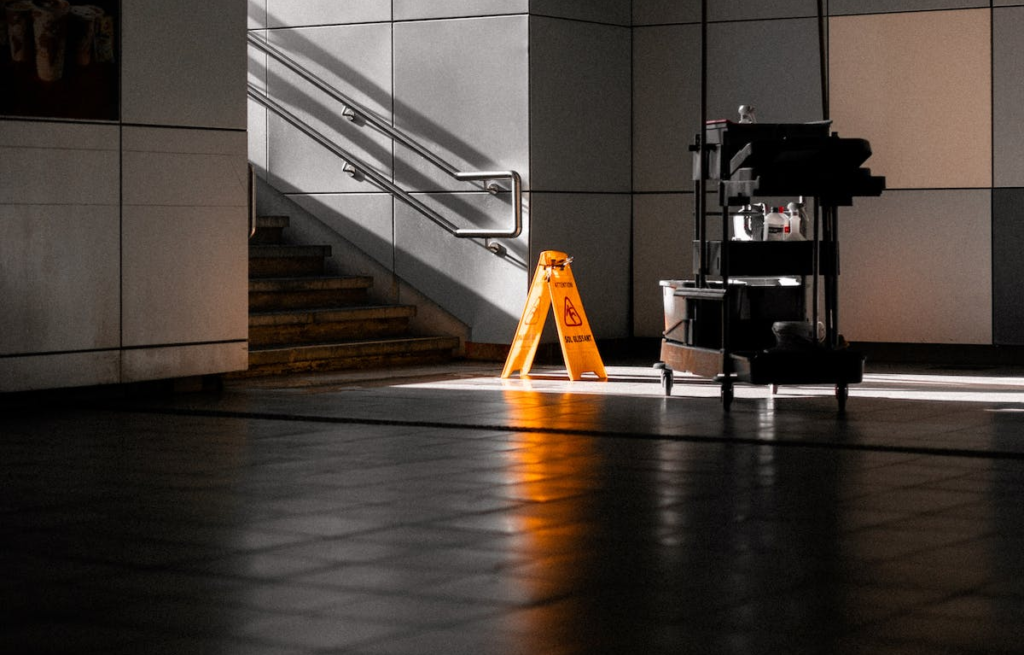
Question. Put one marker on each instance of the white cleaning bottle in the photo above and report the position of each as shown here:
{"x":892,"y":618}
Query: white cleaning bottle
{"x":796,"y":222}
{"x":776,"y":225}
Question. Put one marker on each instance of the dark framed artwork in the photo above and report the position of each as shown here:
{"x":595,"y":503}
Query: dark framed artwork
{"x":59,"y":59}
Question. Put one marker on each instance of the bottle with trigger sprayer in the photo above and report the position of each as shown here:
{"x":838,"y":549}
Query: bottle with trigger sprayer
{"x":796,"y":221}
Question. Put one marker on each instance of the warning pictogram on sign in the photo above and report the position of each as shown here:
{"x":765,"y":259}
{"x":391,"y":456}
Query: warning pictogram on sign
{"x":571,"y":317}
{"x":554,"y":286}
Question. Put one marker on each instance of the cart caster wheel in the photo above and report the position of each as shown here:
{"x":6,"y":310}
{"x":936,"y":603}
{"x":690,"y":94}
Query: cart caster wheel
{"x":666,"y":381}
{"x":842,"y":393}
{"x":726,"y":396}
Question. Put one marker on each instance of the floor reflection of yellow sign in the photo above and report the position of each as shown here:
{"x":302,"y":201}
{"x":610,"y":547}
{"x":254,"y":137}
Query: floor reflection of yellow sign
{"x":554,"y":287}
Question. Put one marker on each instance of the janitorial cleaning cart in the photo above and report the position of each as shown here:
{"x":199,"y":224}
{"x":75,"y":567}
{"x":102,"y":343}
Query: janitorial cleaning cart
{"x":762,"y":306}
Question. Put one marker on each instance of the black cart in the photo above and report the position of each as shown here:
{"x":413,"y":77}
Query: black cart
{"x":723,"y":323}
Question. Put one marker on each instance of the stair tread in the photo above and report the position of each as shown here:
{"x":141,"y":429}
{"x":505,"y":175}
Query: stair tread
{"x":340,"y":350}
{"x":355,"y":343}
{"x":387,"y":311}
{"x":272,"y":220}
{"x":287,"y":250}
{"x":319,"y":282}
{"x":303,"y":319}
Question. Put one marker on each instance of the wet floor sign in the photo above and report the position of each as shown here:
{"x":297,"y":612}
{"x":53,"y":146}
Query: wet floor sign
{"x":554,"y":287}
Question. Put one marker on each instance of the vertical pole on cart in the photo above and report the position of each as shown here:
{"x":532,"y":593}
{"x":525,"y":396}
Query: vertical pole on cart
{"x":830,"y":226}
{"x":835,"y":277}
{"x":818,"y":214}
{"x":699,"y":231}
{"x":831,"y":270}
{"x":702,"y":151}
{"x":823,"y":60}
{"x":815,"y":264}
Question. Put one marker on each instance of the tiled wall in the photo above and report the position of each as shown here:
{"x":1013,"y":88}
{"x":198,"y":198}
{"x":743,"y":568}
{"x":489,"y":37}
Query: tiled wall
{"x":113,"y":231}
{"x":580,"y":145}
{"x":450,"y":74}
{"x":933,"y":84}
{"x":123,"y":244}
{"x":935,"y":149}
{"x":595,"y":103}
{"x":483,"y":84}
{"x":60,"y":215}
{"x":764,"y":54}
{"x":184,"y":189}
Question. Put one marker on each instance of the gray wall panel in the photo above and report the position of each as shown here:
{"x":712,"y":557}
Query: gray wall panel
{"x":183,"y":268}
{"x":746,"y":66}
{"x":462,"y":90}
{"x":59,"y":278}
{"x":662,"y":250}
{"x":418,"y":9}
{"x":293,"y":13}
{"x":184,"y":237}
{"x":594,"y":229}
{"x":661,"y":12}
{"x":579,"y":106}
{"x":257,"y":14}
{"x":183,"y":63}
{"x":845,"y":7}
{"x":60,"y":194}
{"x":484,"y":291}
{"x":772,"y":65}
{"x":759,"y":9}
{"x":364,"y":219}
{"x":615,"y":12}
{"x":59,"y":164}
{"x":666,"y":111}
{"x":891,"y":84}
{"x":60,"y":370}
{"x":1008,"y":96}
{"x":1008,"y":266}
{"x":917,"y":267}
{"x":355,"y":60}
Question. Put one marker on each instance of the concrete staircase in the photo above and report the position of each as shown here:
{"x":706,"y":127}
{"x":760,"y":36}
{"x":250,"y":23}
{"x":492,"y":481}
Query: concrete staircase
{"x":302,"y":320}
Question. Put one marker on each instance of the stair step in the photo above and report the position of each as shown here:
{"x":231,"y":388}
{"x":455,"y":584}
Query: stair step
{"x":303,"y":321}
{"x":331,"y":315}
{"x":349,"y":355}
{"x":276,"y":251}
{"x":286,"y":261}
{"x":324,"y":283}
{"x":269,"y":229}
{"x":278,"y":294}
{"x":272,"y":221}
{"x":328,"y":324}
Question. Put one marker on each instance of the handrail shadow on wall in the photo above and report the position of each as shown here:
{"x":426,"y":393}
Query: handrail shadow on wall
{"x":358,"y":169}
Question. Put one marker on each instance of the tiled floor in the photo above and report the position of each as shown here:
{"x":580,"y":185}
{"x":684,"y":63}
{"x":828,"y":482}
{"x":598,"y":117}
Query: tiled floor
{"x":451,"y":512}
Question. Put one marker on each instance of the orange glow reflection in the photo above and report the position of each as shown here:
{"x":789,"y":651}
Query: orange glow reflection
{"x":554,"y":475}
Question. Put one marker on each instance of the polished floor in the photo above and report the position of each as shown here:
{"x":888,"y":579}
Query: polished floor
{"x":446,"y":511}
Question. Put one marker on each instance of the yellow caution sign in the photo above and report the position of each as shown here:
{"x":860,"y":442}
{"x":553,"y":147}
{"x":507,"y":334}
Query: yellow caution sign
{"x":554,"y":287}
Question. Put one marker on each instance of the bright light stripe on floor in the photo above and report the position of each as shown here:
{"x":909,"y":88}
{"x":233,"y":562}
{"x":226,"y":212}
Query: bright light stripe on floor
{"x":641,"y":381}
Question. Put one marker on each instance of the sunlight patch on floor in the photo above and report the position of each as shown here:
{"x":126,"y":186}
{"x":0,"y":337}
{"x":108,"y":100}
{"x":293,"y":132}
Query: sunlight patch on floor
{"x":646,"y":382}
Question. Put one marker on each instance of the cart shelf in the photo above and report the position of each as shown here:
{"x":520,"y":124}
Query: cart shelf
{"x":767,"y":258}
{"x":812,"y":366}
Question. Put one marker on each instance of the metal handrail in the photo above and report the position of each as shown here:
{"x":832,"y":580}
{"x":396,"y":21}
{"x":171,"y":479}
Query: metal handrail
{"x":353,"y":112}
{"x":355,"y":166}
{"x":252,"y":201}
